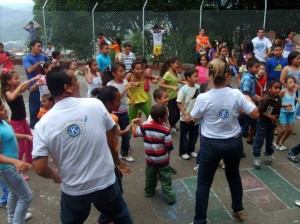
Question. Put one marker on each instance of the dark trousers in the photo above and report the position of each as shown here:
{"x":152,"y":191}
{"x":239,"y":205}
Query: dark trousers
{"x":34,"y":107}
{"x":264,"y":130}
{"x":76,"y":209}
{"x":296,"y":150}
{"x":230,"y":150}
{"x":174,"y":112}
{"x":123,"y":123}
{"x":188,"y":137}
{"x":202,"y":147}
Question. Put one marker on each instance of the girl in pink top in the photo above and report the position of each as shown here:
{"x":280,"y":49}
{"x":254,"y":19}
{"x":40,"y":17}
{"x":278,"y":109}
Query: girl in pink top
{"x":202,"y":69}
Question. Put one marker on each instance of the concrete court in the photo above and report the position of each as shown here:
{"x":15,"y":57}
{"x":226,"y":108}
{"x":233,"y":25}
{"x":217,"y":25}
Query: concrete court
{"x":269,"y":193}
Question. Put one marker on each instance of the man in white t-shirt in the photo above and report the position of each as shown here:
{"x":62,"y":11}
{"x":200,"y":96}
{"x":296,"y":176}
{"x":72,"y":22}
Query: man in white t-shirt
{"x":262,"y":46}
{"x":72,"y":133}
{"x":157,"y":33}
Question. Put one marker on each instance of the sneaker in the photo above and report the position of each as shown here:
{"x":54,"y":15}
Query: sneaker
{"x":277,"y":147}
{"x":256,"y":162}
{"x":297,"y":202}
{"x":128,"y":158}
{"x":173,"y":130}
{"x":239,"y":215}
{"x":3,"y":206}
{"x":292,"y":157}
{"x":173,"y":171}
{"x":185,"y":156}
{"x":28,"y":216}
{"x":193,"y":154}
{"x":283,"y":147}
{"x":196,"y":168}
{"x":269,"y":158}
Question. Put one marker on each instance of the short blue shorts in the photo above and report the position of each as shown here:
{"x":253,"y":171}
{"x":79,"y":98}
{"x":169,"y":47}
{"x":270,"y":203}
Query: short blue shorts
{"x":287,"y":117}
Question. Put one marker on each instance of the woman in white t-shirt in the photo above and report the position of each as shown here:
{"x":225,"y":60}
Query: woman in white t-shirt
{"x":219,"y":109}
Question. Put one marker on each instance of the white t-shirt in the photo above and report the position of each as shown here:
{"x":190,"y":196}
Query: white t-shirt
{"x":261,"y":47}
{"x":157,"y":37}
{"x":73,"y":132}
{"x":187,"y":96}
{"x":219,"y":110}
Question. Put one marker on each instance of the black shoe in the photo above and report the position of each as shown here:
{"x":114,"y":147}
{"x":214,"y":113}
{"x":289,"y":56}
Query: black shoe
{"x":173,"y":171}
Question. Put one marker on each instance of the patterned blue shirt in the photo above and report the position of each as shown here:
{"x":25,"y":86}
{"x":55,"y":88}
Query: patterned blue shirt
{"x":248,"y":84}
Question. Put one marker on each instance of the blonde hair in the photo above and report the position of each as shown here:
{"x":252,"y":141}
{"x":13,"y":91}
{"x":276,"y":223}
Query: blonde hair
{"x":217,"y":69}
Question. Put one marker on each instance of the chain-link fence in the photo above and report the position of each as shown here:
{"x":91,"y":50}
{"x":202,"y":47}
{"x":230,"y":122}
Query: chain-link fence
{"x":73,"y":30}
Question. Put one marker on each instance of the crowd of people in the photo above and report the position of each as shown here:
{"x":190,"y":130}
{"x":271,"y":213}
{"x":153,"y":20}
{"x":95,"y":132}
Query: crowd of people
{"x":200,"y":99}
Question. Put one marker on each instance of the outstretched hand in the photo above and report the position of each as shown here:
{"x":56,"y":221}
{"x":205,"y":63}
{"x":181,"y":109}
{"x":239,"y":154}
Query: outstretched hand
{"x":124,"y":168}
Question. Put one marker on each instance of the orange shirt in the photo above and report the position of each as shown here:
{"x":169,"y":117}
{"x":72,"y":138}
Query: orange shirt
{"x":203,"y":40}
{"x":41,"y":113}
{"x":116,"y":48}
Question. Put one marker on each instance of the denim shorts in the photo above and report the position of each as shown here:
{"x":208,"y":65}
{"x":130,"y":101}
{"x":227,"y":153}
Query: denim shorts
{"x":287,"y":117}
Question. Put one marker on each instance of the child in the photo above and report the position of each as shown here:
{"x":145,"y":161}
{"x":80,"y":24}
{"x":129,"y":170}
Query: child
{"x":269,"y":109}
{"x":11,"y":90}
{"x":243,"y":68}
{"x":148,"y":78}
{"x":101,"y":40}
{"x":188,"y":129}
{"x":139,"y":98}
{"x":260,"y":81}
{"x":93,"y":77}
{"x":248,"y":88}
{"x":127,"y":57}
{"x":41,"y":83}
{"x":111,"y":98}
{"x":212,"y":53}
{"x":157,"y":144}
{"x":73,"y":65}
{"x":275,"y":64}
{"x":5,"y":58}
{"x":290,"y":43}
{"x":49,"y":50}
{"x":32,"y":29}
{"x":115,"y":77}
{"x":56,"y":56}
{"x":47,"y":103}
{"x":161,"y":97}
{"x":170,"y":82}
{"x":287,"y":112}
{"x":11,"y":169}
{"x":103,"y":59}
{"x":202,"y":69}
{"x":116,"y":47}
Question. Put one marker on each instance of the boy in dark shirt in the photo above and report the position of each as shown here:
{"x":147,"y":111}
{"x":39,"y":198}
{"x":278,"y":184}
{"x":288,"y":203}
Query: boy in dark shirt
{"x":269,"y":109}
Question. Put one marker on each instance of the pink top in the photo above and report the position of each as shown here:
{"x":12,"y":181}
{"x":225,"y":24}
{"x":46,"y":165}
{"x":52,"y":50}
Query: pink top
{"x":202,"y":74}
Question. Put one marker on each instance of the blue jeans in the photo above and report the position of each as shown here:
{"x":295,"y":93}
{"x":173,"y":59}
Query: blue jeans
{"x":5,"y":191}
{"x":264,"y":130}
{"x":76,"y":209}
{"x":123,"y":123}
{"x":19,"y":196}
{"x":188,"y":137}
{"x":230,"y":150}
{"x":34,"y":107}
{"x":295,"y":150}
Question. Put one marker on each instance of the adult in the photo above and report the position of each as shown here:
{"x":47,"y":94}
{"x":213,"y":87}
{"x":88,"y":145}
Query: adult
{"x":32,"y":64}
{"x":32,"y":29}
{"x":157,"y":32}
{"x":262,"y":46}
{"x":219,"y":109}
{"x":289,"y":44}
{"x":86,"y":176}
{"x":49,"y":50}
{"x":202,"y":41}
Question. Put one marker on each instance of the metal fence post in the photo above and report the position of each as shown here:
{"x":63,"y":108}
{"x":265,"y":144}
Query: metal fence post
{"x":144,"y":27}
{"x":200,"y":19}
{"x":45,"y":34}
{"x":93,"y":20}
{"x":265,"y":13}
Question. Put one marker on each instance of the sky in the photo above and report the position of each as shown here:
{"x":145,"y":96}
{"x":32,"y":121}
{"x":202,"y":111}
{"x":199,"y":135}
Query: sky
{"x":5,"y":2}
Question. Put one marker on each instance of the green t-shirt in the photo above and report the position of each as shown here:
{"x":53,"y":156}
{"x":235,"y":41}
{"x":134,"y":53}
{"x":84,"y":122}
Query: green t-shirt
{"x":171,"y":80}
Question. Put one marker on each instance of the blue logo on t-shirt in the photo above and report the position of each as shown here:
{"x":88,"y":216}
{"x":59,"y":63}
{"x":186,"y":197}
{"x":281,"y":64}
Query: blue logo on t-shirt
{"x":223,"y":113}
{"x":73,"y":130}
{"x":260,"y":46}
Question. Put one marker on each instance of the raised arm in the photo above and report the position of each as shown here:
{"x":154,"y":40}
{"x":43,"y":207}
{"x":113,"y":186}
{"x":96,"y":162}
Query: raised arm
{"x":11,"y":96}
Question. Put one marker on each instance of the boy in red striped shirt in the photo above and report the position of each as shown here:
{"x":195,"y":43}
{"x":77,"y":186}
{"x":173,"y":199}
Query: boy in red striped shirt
{"x":157,"y":144}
